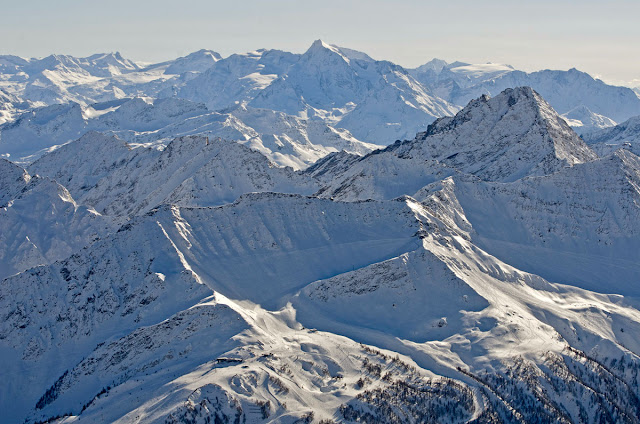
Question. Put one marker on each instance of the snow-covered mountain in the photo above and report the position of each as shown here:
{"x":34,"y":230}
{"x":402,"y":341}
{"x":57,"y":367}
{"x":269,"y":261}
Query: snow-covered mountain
{"x":505,"y":138}
{"x":168,"y":356}
{"x":155,"y":266}
{"x":377,"y":101}
{"x":151,"y":271}
{"x":13,"y":179}
{"x":446,"y":79}
{"x":98,"y":65}
{"x":583,"y":120}
{"x":102,"y":77}
{"x":40,"y":222}
{"x":459,"y":83}
{"x":198,"y":61}
{"x":236,"y":79}
{"x":105,"y":173}
{"x":10,"y":105}
{"x":43,"y":224}
{"x":133,"y":278}
{"x":34,"y":132}
{"x":55,"y":78}
{"x":623,"y":136}
{"x":530,"y":223}
{"x":286,"y":140}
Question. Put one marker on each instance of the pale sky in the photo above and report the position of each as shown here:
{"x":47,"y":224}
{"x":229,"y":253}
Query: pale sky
{"x":599,"y":37}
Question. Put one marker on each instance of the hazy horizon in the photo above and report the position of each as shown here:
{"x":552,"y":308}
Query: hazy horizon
{"x":595,"y":38}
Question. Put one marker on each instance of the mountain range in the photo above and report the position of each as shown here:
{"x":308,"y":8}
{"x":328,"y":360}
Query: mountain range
{"x":323,"y":237}
{"x":345,"y":95}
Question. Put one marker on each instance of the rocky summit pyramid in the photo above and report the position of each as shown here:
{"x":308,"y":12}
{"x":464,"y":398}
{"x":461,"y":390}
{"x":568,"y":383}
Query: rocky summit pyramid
{"x":505,"y":138}
{"x":514,"y":135}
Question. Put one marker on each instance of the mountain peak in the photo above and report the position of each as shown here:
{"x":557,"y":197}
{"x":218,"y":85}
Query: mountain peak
{"x":504,"y":138}
{"x":435,"y":64}
{"x":319,"y":44}
{"x":625,"y":135}
{"x":582,"y":118}
{"x":204,"y":53}
{"x":198,"y":61}
{"x":321,"y":49}
{"x":518,"y":94}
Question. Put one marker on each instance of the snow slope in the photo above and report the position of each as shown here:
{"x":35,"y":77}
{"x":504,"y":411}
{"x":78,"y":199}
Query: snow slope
{"x":146,"y":272}
{"x":288,"y":240}
{"x":494,"y":279}
{"x":33,"y":133}
{"x":287,"y":140}
{"x":576,"y":226}
{"x":499,"y":329}
{"x":376,"y":101}
{"x":623,"y":136}
{"x":43,"y":224}
{"x":583,"y":120}
{"x":236,"y":79}
{"x":293,"y":141}
{"x":505,"y":138}
{"x":134,"y":278}
{"x":190,"y":171}
{"x":10,"y":106}
{"x":565,"y":90}
{"x":13,"y":179}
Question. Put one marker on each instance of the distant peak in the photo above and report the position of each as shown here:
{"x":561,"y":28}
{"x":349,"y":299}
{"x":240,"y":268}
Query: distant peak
{"x":117,"y":56}
{"x":435,"y":60}
{"x":319,"y":47}
{"x":205,"y":52}
{"x":434,"y":64}
{"x":523,"y":90}
{"x":578,"y":72}
{"x":523,"y":98}
{"x":319,"y":44}
{"x":582,"y":109}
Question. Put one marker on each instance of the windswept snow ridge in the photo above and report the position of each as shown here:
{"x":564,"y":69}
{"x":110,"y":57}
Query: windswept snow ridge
{"x":190,"y":171}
